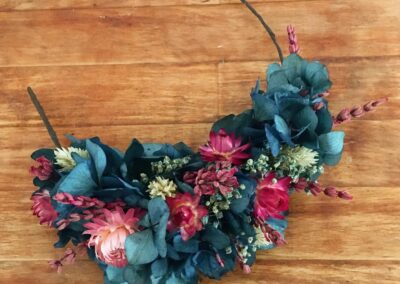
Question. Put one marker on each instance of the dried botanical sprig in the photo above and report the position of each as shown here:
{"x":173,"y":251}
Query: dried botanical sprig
{"x":348,"y":114}
{"x":293,"y":45}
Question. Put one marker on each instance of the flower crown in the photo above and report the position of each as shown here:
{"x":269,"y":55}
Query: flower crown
{"x":161,"y":213}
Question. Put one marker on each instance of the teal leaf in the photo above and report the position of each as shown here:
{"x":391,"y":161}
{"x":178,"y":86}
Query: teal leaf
{"x":78,"y":182}
{"x":264,"y":108}
{"x":306,"y":117}
{"x":332,"y":143}
{"x":159,"y":268}
{"x":159,"y":214}
{"x":115,"y":274}
{"x":331,"y":160}
{"x":276,"y":77}
{"x":189,"y":246}
{"x":317,"y":76}
{"x":140,"y":248}
{"x":324,"y":121}
{"x":215,"y":237}
{"x":281,"y":126}
{"x":98,"y":158}
{"x":239,"y":205}
{"x":137,"y":275}
{"x":273,"y":140}
{"x":47,"y":153}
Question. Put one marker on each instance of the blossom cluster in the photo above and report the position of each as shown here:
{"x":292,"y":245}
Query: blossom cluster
{"x":161,"y":213}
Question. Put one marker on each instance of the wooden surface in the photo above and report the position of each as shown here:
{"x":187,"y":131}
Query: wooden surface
{"x":163,"y":70}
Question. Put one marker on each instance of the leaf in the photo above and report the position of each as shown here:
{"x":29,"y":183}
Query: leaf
{"x":189,"y":246}
{"x":157,"y":208}
{"x":324,"y":121}
{"x":281,"y":126}
{"x":140,"y":248}
{"x":273,"y":140}
{"x":98,"y":157}
{"x":215,"y":237}
{"x":317,"y":76}
{"x":159,"y":214}
{"x":304,"y":117}
{"x":115,"y":274}
{"x":159,"y":267}
{"x":135,"y":150}
{"x":264,"y":108}
{"x":206,"y":262}
{"x":47,"y":153}
{"x":137,"y":275}
{"x":331,"y":160}
{"x":78,"y":182}
{"x":331,"y":143}
{"x":276,"y":77}
{"x":239,"y":205}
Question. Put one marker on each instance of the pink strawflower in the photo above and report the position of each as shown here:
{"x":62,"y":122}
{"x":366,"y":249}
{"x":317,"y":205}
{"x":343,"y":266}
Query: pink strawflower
{"x":44,"y":169}
{"x":42,"y":208}
{"x":215,"y":178}
{"x":272,"y":197}
{"x":108,"y":234}
{"x":185,"y":214}
{"x":224,"y":147}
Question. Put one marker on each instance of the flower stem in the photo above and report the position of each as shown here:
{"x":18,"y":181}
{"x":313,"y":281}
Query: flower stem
{"x":44,"y":118}
{"x":266,"y":27}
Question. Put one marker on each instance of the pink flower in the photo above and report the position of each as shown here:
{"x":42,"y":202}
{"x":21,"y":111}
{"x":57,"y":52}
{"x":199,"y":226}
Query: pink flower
{"x":272,"y":197}
{"x":185,"y":214}
{"x":78,"y":201}
{"x":215,"y":178}
{"x":224,"y":147}
{"x":43,"y":209}
{"x":44,"y":170}
{"x":108,"y":234}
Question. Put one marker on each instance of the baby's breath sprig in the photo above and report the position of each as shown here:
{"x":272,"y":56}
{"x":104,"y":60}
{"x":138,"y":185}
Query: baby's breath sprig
{"x":168,"y":165}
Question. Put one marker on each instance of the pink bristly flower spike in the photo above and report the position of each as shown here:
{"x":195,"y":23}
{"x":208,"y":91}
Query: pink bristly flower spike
{"x":44,"y":169}
{"x":348,"y":114}
{"x":293,"y":45}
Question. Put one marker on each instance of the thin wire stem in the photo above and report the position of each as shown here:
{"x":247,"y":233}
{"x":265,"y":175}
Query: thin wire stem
{"x":44,"y":118}
{"x":266,"y":27}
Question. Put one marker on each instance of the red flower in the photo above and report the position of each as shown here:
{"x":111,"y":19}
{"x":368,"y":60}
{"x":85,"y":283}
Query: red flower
{"x":43,"y":209}
{"x":272,"y":197}
{"x":185,"y":214}
{"x":44,"y":170}
{"x":214,"y":178}
{"x":224,"y":147}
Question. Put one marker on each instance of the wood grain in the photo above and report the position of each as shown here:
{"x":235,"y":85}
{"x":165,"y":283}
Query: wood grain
{"x":163,"y":70}
{"x":179,"y":34}
{"x":111,"y":94}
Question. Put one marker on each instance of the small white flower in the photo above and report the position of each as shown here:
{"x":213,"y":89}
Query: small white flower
{"x":162,"y":187}
{"x":261,"y":242}
{"x":302,"y":156}
{"x":64,"y":157}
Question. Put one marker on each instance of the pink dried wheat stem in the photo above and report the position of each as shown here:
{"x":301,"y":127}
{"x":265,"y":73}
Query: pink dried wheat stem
{"x":293,"y":45}
{"x":348,"y":114}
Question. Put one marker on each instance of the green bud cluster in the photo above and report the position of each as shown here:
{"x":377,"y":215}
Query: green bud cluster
{"x":260,"y":166}
{"x":168,"y":165}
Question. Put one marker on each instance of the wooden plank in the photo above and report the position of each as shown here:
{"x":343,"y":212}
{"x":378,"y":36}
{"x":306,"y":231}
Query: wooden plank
{"x":9,"y":5}
{"x":38,"y":272}
{"x":178,"y":34}
{"x":355,"y":81}
{"x":335,"y":229}
{"x":111,"y":94}
{"x":180,"y":97}
{"x":265,"y":271}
